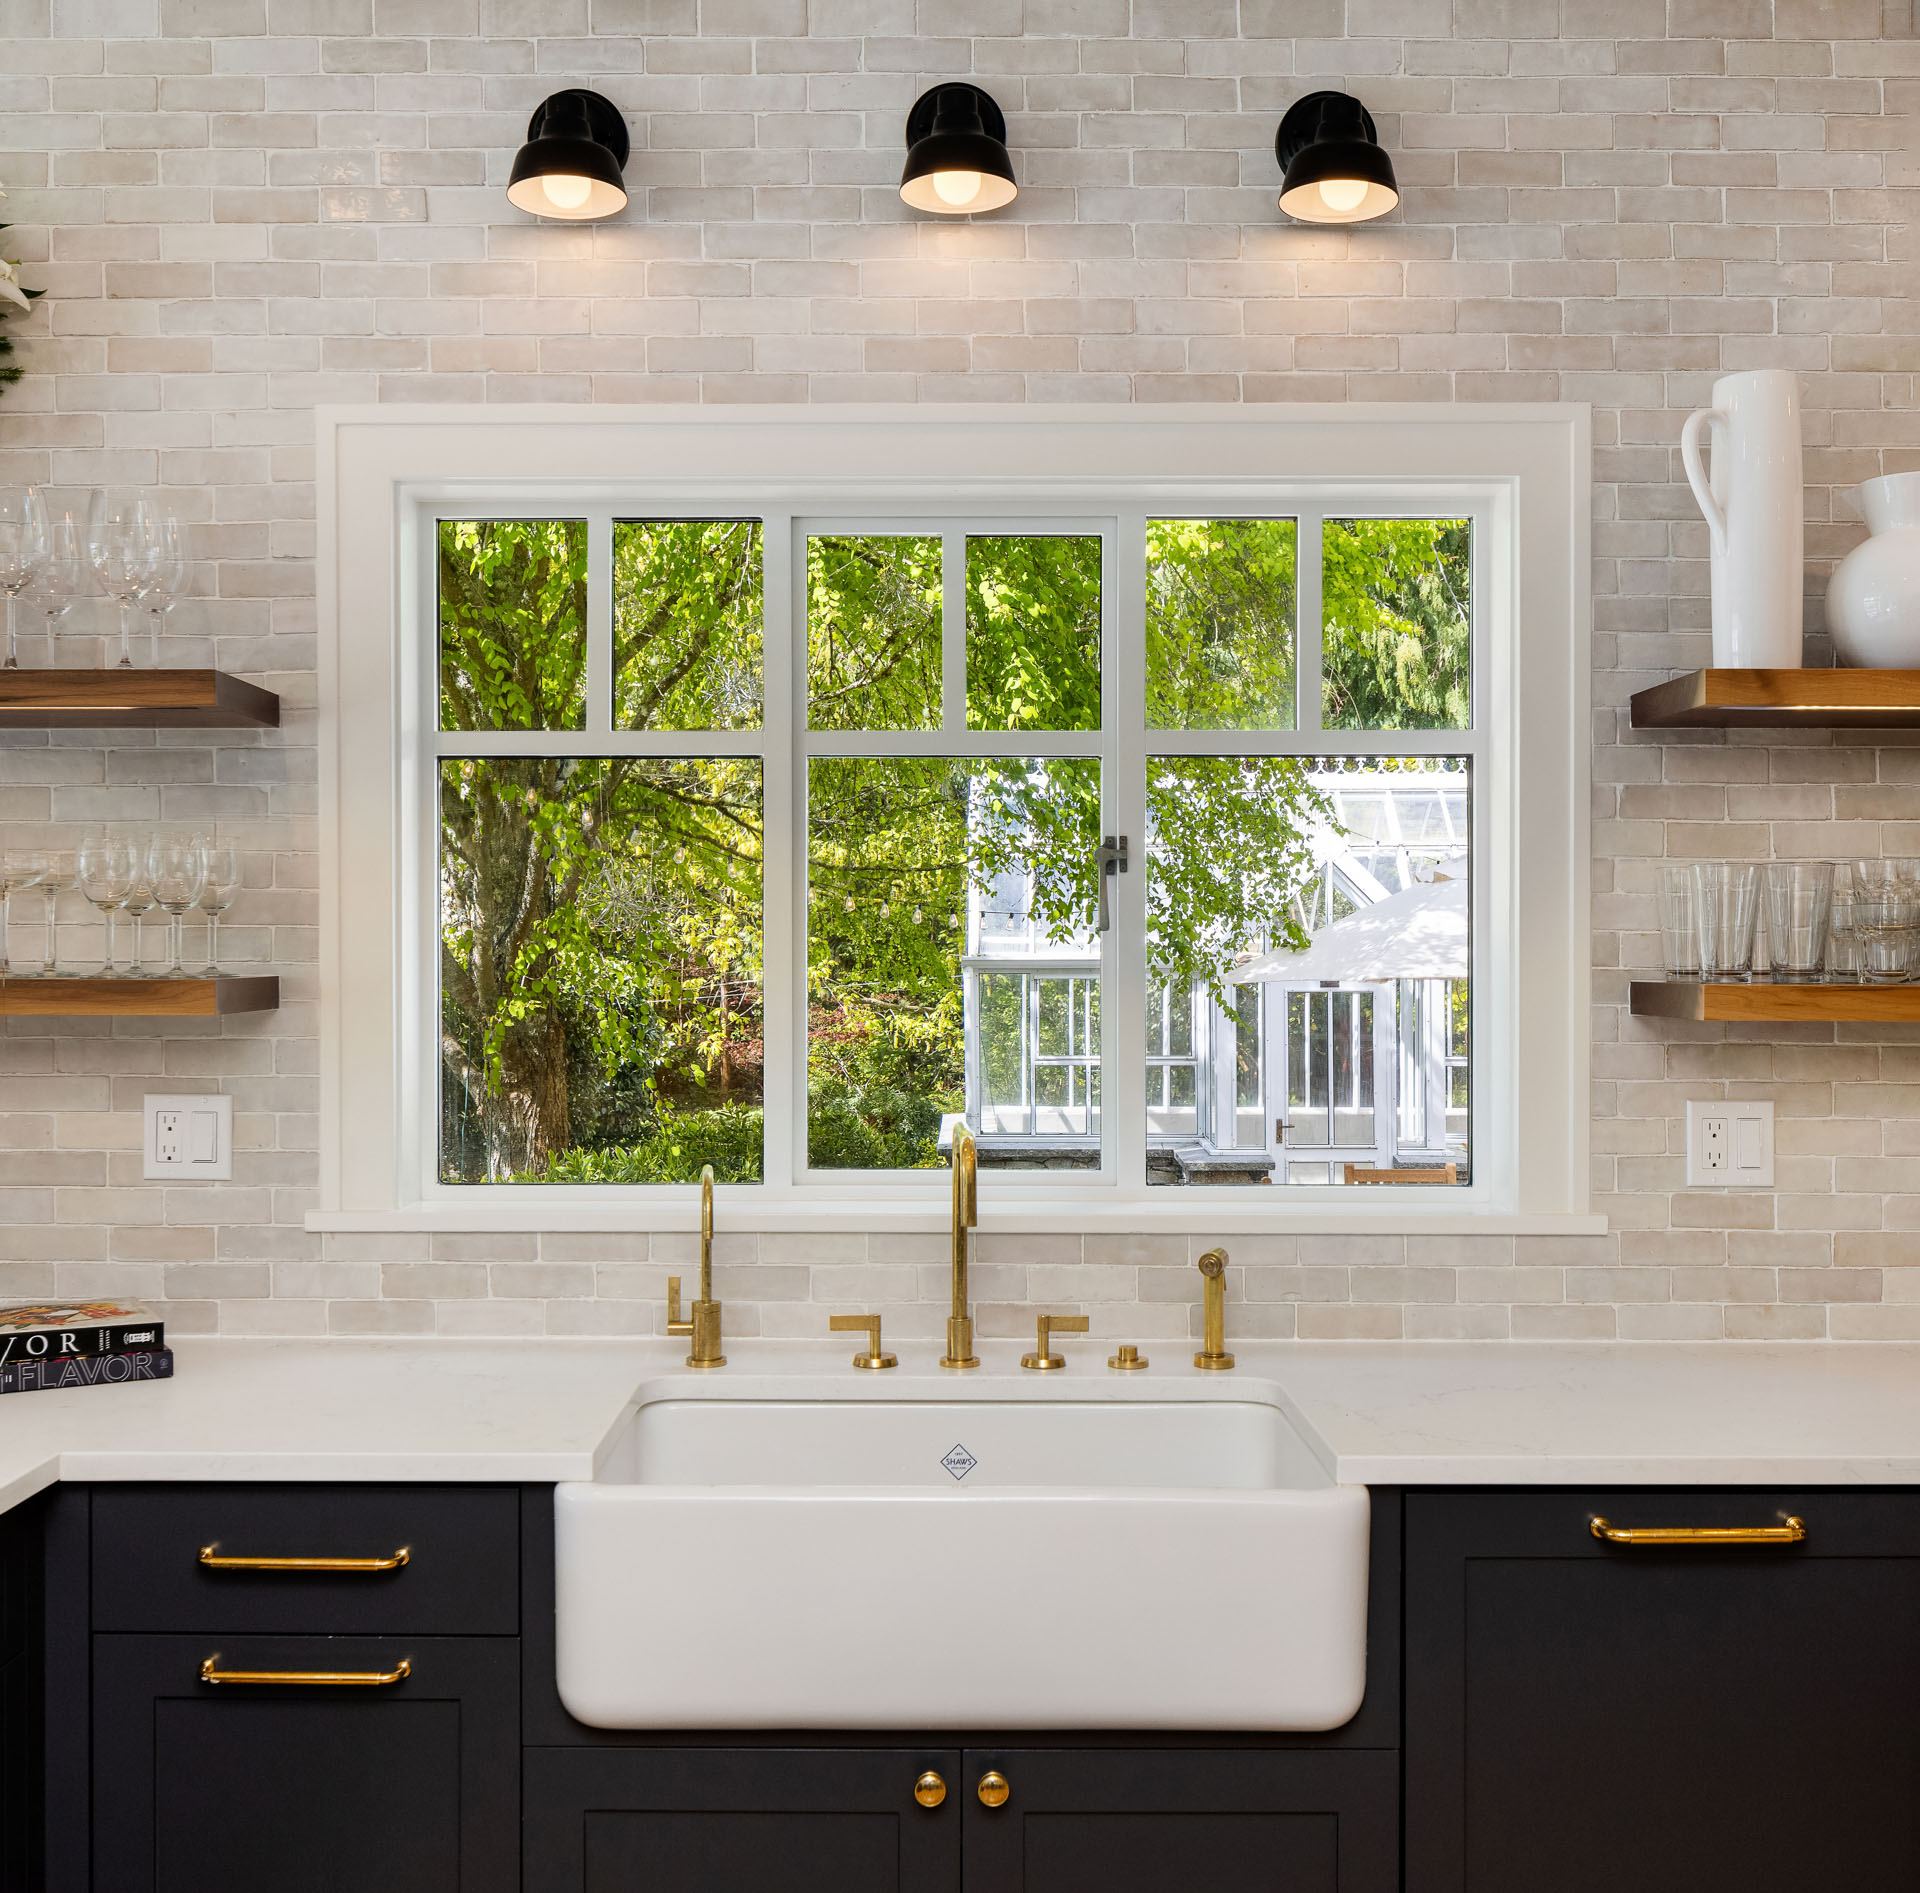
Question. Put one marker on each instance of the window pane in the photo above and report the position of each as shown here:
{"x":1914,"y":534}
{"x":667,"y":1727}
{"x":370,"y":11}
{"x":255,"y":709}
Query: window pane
{"x":908,"y":859}
{"x":513,"y":624}
{"x":873,"y":633}
{"x":600,"y":970}
{"x":1033,"y":633}
{"x":1396,"y":611}
{"x":1249,"y":1121}
{"x":1220,"y":624}
{"x":686,"y":624}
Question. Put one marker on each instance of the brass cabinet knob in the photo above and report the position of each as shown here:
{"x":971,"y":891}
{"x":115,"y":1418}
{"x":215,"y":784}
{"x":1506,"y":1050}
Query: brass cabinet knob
{"x":993,"y":1789}
{"x":930,"y":1790}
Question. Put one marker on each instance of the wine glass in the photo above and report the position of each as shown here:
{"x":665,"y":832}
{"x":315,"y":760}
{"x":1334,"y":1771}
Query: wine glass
{"x":64,"y":576}
{"x":221,"y":889}
{"x":123,"y":540}
{"x":59,"y":872}
{"x":19,"y":868}
{"x":170,"y":576}
{"x":177,"y":873}
{"x":23,"y":550}
{"x":140,"y":903}
{"x":109,"y":871}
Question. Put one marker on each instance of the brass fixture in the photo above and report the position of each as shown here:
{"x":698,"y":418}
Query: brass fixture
{"x":1213,"y":1270}
{"x":1041,"y":1359}
{"x":703,"y":1318}
{"x":870,"y":1324}
{"x":930,"y":1790}
{"x":993,"y":1789}
{"x":330,"y":1679}
{"x":1790,"y":1531}
{"x":1129,"y":1360}
{"x":966,"y":1213}
{"x":210,"y":1557}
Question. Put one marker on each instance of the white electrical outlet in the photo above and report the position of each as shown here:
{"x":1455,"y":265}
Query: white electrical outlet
{"x":1730,"y":1145}
{"x":189,"y":1139}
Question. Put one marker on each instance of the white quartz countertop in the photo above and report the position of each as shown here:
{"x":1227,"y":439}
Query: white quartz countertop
{"x":1374,"y":1413}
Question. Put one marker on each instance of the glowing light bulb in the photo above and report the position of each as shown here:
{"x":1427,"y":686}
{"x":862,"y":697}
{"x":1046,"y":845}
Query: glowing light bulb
{"x":1343,"y":193}
{"x":566,"y":192}
{"x":956,"y":187}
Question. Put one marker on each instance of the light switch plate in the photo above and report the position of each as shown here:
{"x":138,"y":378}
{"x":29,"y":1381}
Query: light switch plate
{"x":188,"y":1138}
{"x":1730,"y":1145}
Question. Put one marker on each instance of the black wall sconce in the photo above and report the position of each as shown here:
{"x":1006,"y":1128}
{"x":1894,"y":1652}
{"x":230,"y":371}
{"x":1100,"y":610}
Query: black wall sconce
{"x":1335,"y":169}
{"x":957,"y":160}
{"x":570,"y":166}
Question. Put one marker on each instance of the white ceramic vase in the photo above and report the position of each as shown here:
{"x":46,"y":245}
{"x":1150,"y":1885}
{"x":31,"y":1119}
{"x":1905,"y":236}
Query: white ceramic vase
{"x":1873,"y":597}
{"x":1754,"y":508}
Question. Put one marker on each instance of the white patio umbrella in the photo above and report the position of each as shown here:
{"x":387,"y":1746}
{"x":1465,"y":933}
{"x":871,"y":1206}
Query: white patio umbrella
{"x":1419,"y":933}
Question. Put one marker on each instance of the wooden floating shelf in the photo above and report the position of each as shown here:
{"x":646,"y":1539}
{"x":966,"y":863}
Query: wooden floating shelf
{"x":138,"y":998}
{"x":133,"y":700}
{"x":1774,"y":699}
{"x":1737,"y":1002}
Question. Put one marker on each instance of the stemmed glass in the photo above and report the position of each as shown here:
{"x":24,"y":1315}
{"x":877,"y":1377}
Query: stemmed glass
{"x":221,"y":890}
{"x":169,"y":578}
{"x":18,"y":869}
{"x":109,"y":871}
{"x":177,"y":873}
{"x":139,"y":904}
{"x":124,"y":542}
{"x":23,"y":550}
{"x":59,"y":872}
{"x":64,"y":576}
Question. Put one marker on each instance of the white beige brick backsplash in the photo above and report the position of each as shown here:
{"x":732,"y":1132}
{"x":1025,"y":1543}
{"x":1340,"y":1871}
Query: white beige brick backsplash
{"x":242,"y":208}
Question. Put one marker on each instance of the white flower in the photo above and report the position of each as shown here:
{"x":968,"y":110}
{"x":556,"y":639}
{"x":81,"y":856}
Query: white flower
{"x":10,"y":289}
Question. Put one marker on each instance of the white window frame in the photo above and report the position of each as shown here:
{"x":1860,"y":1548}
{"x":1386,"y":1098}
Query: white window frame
{"x":1522,"y":472}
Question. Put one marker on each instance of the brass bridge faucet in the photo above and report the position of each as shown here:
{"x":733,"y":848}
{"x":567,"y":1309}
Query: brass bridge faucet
{"x":703,"y":1318}
{"x":1213,"y":1271}
{"x":966,"y":1213}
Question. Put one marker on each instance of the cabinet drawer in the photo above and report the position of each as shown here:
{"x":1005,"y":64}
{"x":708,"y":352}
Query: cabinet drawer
{"x":460,"y":1577}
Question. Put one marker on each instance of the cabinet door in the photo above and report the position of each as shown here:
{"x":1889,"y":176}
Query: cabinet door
{"x":411,"y":1787}
{"x":1173,"y":1820}
{"x":759,"y":1820}
{"x":1588,"y":1716}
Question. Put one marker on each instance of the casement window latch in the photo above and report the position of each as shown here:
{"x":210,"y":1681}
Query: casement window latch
{"x":1113,"y":860}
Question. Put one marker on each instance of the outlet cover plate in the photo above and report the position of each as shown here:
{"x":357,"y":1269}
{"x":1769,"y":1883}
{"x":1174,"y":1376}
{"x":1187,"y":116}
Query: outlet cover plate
{"x":1730,"y":1144}
{"x":187,"y":1138}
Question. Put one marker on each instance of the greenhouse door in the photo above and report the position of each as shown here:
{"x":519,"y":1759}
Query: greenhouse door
{"x":1340,"y":1062}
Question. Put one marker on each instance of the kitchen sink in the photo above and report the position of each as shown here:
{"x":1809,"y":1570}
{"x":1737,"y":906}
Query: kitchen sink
{"x":800,"y":1559}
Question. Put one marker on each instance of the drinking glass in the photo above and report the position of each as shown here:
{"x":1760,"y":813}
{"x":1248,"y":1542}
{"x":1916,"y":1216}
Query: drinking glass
{"x":59,"y":872}
{"x":109,"y":871}
{"x":124,"y":542}
{"x":1843,"y":941}
{"x":1729,"y":907}
{"x":1886,"y":915}
{"x":221,"y":889}
{"x":65,"y":574}
{"x":170,"y":576}
{"x":1680,"y":919}
{"x":139,"y":904}
{"x":177,"y":873}
{"x":23,"y":550}
{"x":19,"y":868}
{"x":1799,"y":907}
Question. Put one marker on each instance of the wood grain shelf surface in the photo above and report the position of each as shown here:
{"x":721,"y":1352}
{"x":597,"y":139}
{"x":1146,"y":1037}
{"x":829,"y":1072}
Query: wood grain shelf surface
{"x":1761,"y":699}
{"x":1737,"y":1002}
{"x":133,"y":699}
{"x":61,"y":998}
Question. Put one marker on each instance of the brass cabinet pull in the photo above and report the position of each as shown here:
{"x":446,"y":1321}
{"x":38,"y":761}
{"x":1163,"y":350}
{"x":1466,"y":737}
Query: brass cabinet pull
{"x":371,"y":1679}
{"x":1789,"y":1532}
{"x":993,"y":1789}
{"x":930,"y":1790}
{"x":210,"y":1557}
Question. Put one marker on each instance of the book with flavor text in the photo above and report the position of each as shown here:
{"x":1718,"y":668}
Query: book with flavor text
{"x":86,"y":1370}
{"x":66,"y":1330}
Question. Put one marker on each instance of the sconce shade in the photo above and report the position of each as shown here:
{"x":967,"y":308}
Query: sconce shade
{"x":570,"y":166}
{"x":957,"y":160}
{"x":1335,"y":169}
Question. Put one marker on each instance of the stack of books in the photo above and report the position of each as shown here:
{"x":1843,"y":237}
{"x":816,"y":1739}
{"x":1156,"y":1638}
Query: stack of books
{"x":45,"y":1345}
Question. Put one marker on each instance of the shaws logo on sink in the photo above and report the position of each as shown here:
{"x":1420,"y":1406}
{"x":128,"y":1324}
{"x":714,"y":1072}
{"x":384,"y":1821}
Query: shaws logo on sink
{"x":959,"y":1462}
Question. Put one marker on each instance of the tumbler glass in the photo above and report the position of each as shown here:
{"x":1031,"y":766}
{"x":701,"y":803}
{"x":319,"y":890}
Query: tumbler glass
{"x":1886,"y":915}
{"x":1799,"y":908}
{"x":1843,"y":940}
{"x":1680,"y":919}
{"x":1729,"y":907}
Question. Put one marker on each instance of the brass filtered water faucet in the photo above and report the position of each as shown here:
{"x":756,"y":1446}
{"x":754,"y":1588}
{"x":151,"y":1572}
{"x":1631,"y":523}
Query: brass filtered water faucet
{"x":702,"y":1321}
{"x":966,"y":1213}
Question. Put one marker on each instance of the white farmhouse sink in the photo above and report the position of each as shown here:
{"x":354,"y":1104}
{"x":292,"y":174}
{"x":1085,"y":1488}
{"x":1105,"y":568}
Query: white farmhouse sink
{"x":1015,"y":1563}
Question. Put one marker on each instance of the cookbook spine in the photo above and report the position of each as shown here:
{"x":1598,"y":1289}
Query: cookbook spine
{"x":86,"y":1370}
{"x":54,"y":1344}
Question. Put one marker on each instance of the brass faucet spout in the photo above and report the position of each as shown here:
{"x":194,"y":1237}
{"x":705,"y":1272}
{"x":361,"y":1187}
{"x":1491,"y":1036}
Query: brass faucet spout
{"x":703,"y":1318}
{"x":706,"y":1232}
{"x":966,"y":1215}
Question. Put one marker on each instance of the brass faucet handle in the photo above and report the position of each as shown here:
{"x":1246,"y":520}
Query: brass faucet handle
{"x":1213,"y":1264}
{"x":1042,"y":1359}
{"x":677,"y":1321}
{"x":870,"y":1326}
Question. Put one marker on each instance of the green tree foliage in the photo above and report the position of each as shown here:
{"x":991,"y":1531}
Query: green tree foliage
{"x":1220,"y":624}
{"x":686,"y":625}
{"x":1033,"y":633}
{"x":1394,"y":595}
{"x":873,"y":633}
{"x":513,"y":624}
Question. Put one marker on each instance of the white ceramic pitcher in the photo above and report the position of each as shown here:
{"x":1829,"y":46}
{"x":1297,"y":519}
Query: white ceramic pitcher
{"x":1754,"y":507}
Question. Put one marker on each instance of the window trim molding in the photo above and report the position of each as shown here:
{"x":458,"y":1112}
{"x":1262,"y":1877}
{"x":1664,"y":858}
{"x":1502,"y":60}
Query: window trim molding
{"x":374,"y":464}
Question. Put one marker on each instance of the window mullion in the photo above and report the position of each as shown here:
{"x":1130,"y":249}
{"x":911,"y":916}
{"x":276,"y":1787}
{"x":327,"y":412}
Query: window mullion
{"x":782,"y":862}
{"x":1308,"y":536}
{"x":953,"y":636}
{"x":1123,"y":952}
{"x":599,"y":624}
